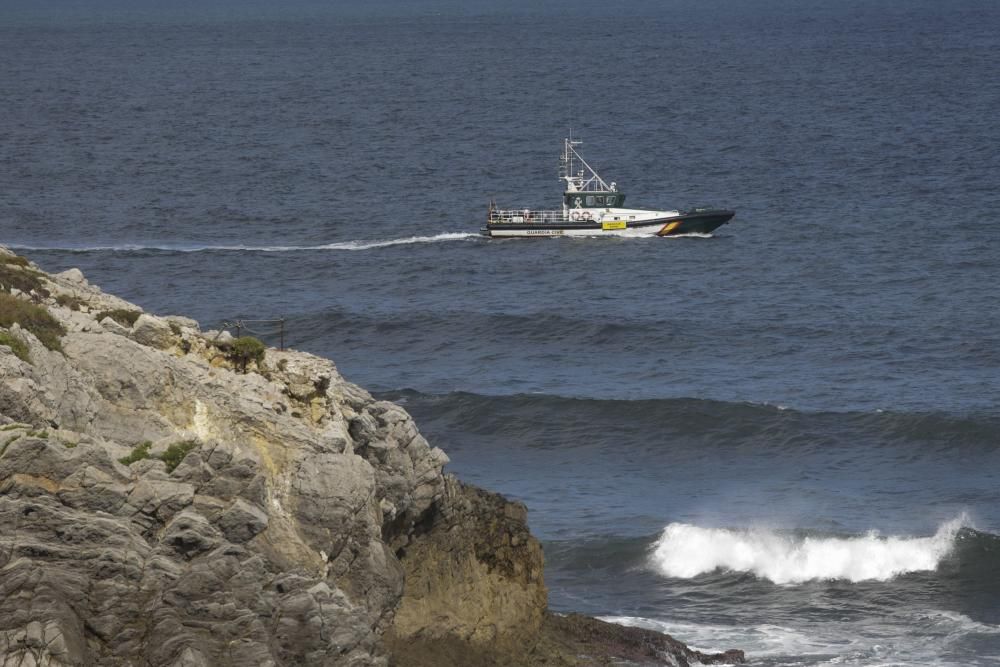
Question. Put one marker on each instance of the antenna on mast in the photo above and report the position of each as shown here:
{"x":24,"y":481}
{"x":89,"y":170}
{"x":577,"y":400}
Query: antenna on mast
{"x":579,"y":180}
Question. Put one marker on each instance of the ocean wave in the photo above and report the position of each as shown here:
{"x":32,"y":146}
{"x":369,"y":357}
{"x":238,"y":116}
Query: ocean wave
{"x":342,"y":245}
{"x":546,"y":329}
{"x":686,"y":551}
{"x":756,"y":426}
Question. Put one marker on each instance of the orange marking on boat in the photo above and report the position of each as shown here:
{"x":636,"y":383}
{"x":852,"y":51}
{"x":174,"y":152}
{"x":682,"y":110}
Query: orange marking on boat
{"x":669,"y":227}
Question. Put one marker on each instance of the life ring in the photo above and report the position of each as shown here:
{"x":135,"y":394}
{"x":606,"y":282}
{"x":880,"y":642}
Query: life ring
{"x":586,"y":215}
{"x":575,"y":215}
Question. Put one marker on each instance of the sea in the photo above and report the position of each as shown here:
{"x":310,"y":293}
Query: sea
{"x":783,"y":437}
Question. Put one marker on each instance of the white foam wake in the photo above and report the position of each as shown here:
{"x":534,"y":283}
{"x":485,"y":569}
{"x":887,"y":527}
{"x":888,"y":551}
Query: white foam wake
{"x":914,"y":637}
{"x":686,"y":551}
{"x":343,"y":245}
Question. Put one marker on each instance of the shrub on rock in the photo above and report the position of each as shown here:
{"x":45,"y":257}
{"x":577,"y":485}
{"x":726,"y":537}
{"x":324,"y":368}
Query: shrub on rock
{"x":139,"y":452}
{"x":33,"y":318}
{"x":16,"y":345}
{"x":70,"y":301}
{"x":245,"y":349}
{"x":15,"y":273}
{"x":176,"y":452}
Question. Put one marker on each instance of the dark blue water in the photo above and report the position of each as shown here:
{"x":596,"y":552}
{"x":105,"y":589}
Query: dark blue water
{"x":784,"y":438}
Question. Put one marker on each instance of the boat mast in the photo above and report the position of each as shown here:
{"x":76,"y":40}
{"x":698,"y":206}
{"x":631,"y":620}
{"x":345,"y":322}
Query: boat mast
{"x":584,"y":180}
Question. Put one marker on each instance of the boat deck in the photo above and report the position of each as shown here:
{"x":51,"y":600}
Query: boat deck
{"x":526,"y":216}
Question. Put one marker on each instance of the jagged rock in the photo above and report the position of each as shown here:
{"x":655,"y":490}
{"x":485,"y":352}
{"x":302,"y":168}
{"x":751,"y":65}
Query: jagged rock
{"x":242,"y":521}
{"x":153,"y":331}
{"x":112,"y":326}
{"x":213,"y":336}
{"x":283,"y":537}
{"x":474,"y":572}
{"x":176,"y":567}
{"x":190,"y":534}
{"x":161,"y":498}
{"x":183,"y":322}
{"x":75,"y":321}
{"x":72,"y":276}
{"x":592,"y":640}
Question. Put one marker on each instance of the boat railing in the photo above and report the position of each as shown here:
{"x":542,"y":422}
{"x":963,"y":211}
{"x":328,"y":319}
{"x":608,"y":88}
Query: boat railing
{"x":525,"y":216}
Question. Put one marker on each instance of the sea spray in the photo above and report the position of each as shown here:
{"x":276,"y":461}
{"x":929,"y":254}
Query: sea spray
{"x":685,"y":551}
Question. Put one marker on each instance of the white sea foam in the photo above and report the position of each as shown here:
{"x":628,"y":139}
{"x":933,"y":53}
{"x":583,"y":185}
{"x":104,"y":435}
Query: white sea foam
{"x":756,"y":640}
{"x":686,"y":551}
{"x":917,"y":638}
{"x":366,"y":245}
{"x":343,"y":245}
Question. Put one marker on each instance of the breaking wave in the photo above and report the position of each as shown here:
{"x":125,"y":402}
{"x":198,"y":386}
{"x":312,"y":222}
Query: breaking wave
{"x":686,"y":551}
{"x":343,"y":245}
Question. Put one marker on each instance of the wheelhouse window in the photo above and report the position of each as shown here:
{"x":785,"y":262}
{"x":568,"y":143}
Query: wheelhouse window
{"x":590,"y":200}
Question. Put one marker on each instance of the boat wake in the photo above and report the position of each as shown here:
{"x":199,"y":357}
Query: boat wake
{"x":342,"y":245}
{"x":686,"y":551}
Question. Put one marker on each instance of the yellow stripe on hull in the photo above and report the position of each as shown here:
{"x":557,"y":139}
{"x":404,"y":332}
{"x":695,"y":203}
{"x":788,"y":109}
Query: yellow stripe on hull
{"x":669,"y":227}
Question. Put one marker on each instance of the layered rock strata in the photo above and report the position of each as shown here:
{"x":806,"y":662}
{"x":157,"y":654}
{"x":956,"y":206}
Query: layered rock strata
{"x":157,"y":507}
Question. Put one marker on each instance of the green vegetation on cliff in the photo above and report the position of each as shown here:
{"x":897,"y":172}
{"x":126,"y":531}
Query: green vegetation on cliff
{"x":17,"y":346}
{"x":33,"y":318}
{"x":172,"y":457}
{"x":176,"y":452}
{"x":15,"y":273}
{"x":69,"y":301}
{"x":139,"y":452}
{"x":245,"y":349}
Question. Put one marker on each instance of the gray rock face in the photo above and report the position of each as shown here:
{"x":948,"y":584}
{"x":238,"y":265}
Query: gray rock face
{"x":263,"y":546}
{"x":153,"y":331}
{"x":158,"y":508}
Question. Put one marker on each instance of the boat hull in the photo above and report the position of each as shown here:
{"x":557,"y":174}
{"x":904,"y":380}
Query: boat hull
{"x":692,"y":222}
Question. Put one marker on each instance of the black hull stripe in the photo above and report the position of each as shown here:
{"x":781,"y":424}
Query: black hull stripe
{"x":705,"y":217}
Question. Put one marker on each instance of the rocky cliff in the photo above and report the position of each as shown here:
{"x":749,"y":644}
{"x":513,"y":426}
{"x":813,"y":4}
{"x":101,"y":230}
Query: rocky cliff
{"x":160,"y":507}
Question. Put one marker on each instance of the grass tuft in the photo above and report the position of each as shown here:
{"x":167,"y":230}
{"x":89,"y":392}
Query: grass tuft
{"x":16,"y":345}
{"x":16,"y":274}
{"x":34,"y":318}
{"x":69,"y":301}
{"x":172,"y":457}
{"x":14,"y":260}
{"x":139,"y":452}
{"x":176,"y":452}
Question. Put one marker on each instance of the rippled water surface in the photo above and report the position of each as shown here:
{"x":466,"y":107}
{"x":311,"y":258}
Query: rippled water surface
{"x":783,"y":438}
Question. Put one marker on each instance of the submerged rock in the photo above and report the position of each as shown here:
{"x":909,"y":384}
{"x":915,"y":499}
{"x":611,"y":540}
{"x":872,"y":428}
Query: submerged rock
{"x":159,"y":507}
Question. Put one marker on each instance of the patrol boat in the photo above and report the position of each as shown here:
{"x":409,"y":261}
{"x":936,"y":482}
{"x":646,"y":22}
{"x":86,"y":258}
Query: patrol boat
{"x":592,"y":207}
